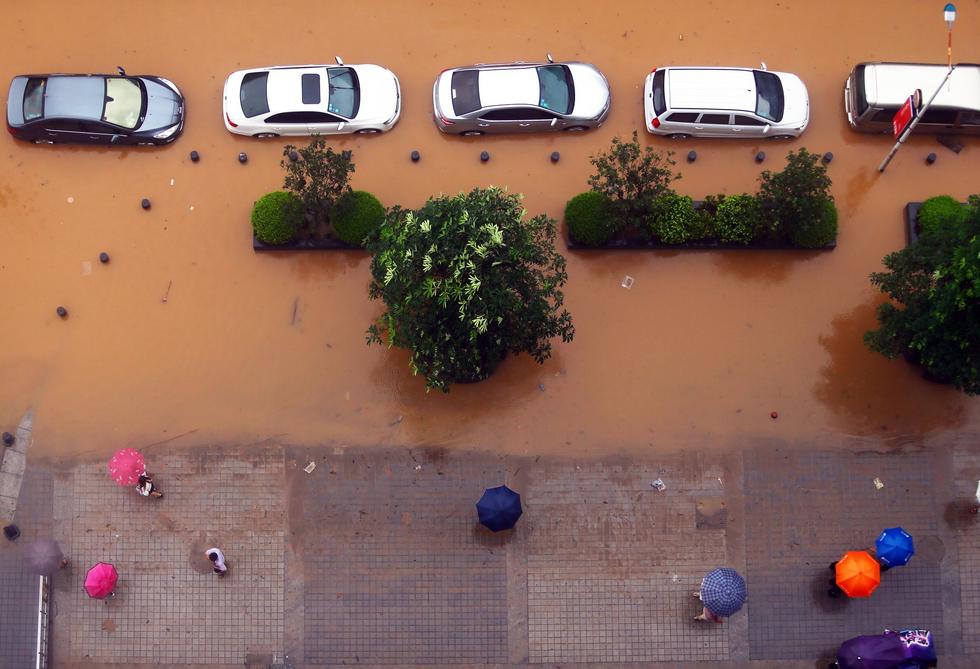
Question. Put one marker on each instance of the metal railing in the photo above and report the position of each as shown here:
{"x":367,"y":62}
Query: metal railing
{"x":43,"y":622}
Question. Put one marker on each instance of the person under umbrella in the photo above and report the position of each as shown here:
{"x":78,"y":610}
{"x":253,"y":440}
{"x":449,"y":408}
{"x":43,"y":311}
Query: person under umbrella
{"x":722,"y":593}
{"x":894,"y":548}
{"x":499,"y":508}
{"x":100,"y":581}
{"x":126,"y":466}
{"x":44,"y":557}
{"x":857,"y":574}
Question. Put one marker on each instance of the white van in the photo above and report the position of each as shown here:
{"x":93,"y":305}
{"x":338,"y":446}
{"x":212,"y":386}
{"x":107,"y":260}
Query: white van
{"x":874,"y":92}
{"x":731,"y":102}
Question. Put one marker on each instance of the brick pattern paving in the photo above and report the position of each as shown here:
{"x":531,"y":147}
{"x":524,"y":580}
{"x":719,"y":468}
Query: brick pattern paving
{"x":802,"y":512}
{"x":168,"y":607}
{"x":967,"y":467}
{"x":398,"y":571}
{"x":612,"y":564}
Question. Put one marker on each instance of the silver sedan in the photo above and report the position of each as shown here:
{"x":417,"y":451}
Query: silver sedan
{"x":520,"y":97}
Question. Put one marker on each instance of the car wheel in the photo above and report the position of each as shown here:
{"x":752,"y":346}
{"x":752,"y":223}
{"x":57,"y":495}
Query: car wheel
{"x":367,"y":131}
{"x":678,"y":135}
{"x":43,"y":141}
{"x":576,"y":128}
{"x":781,"y":137}
{"x":472,"y":133}
{"x":265,"y":135}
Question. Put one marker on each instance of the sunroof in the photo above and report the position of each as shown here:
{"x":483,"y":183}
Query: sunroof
{"x":311,"y":89}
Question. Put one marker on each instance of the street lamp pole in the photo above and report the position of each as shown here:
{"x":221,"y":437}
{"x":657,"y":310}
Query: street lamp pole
{"x":949,"y":15}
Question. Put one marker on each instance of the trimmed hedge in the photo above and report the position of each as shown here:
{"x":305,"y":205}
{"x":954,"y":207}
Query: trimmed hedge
{"x":589,"y":219}
{"x":940,"y":211}
{"x":674,"y":220}
{"x":356,"y":215}
{"x":276,"y":217}
{"x":737,"y":219}
{"x":818,"y":233}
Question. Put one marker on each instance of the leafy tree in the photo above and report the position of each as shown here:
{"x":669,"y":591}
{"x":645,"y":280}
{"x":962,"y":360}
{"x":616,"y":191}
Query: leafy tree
{"x":936,"y":285}
{"x":792,"y":202}
{"x":466,"y":281}
{"x":632,"y":178}
{"x":319,"y":178}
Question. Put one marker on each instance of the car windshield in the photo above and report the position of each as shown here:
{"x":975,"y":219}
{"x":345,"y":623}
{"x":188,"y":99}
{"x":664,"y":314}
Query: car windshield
{"x":253,"y":95}
{"x":769,"y":96}
{"x":466,"y":91}
{"x":556,"y":88}
{"x":345,"y":96}
{"x":34,"y":99}
{"x":123,"y":102}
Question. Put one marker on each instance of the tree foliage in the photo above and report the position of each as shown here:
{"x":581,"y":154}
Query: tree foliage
{"x":319,"y":178}
{"x":792,"y":202}
{"x":632,"y":178}
{"x":465,"y":281}
{"x":934,"y":319}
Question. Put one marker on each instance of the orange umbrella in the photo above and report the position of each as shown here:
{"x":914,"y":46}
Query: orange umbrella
{"x":858,"y":574}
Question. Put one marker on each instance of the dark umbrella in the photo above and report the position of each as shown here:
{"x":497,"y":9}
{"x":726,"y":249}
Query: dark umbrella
{"x":43,"y":556}
{"x":894,"y":547}
{"x":499,"y":508}
{"x":723,"y":591}
{"x":880,"y":651}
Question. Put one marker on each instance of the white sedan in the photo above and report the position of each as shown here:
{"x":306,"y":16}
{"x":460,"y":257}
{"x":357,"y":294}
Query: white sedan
{"x":311,"y":100}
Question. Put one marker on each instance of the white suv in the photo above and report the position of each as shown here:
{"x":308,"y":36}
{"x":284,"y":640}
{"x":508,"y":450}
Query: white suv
{"x":683,"y":102}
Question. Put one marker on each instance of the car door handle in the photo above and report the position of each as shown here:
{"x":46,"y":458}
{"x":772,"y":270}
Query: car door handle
{"x":736,"y":130}
{"x":699,"y":127}
{"x":483,"y":125}
{"x":524,"y":125}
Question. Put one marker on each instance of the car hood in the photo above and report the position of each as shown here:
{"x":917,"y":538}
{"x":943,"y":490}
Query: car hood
{"x":796,"y":101}
{"x":164,"y":106}
{"x":380,"y":94}
{"x":591,"y":90}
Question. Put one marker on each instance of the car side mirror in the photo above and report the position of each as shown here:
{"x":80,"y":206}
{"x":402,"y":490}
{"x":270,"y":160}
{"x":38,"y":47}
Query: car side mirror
{"x":766,"y":129}
{"x":115,"y":139}
{"x":339,"y":61}
{"x":554,"y":122}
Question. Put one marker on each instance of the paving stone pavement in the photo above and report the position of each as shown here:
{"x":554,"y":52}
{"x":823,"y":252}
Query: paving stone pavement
{"x":375,"y":558}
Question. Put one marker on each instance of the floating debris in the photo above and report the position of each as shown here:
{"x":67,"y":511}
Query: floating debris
{"x":310,"y":466}
{"x":627,"y":282}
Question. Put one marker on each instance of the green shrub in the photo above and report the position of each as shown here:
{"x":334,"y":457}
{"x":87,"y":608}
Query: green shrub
{"x":673,"y":219}
{"x":737,"y":219}
{"x":940,"y":211}
{"x":794,"y":197}
{"x":814,"y":234}
{"x":276,"y":216}
{"x":356,"y":215}
{"x":588,"y":218}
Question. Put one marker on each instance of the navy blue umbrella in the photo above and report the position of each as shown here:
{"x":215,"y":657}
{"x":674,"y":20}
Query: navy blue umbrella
{"x":894,"y":547}
{"x":723,"y":591}
{"x":499,"y":508}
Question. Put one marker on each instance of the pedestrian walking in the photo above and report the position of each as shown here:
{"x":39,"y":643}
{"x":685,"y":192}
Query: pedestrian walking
{"x":217,"y":561}
{"x":146,"y":487}
{"x":722,"y":593}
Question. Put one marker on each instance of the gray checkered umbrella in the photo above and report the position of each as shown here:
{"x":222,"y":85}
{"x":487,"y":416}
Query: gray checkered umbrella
{"x":723,"y":591}
{"x":43,"y":556}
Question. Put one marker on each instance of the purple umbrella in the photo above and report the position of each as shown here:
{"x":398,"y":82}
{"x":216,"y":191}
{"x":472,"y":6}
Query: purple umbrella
{"x":43,"y":556}
{"x":880,"y":651}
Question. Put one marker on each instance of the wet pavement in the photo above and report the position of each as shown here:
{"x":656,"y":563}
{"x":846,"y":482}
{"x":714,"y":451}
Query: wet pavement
{"x":699,"y":351}
{"x":375,"y":558}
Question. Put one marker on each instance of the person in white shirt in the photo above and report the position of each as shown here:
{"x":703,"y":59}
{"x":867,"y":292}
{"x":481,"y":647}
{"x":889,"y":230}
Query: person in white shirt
{"x":217,"y":561}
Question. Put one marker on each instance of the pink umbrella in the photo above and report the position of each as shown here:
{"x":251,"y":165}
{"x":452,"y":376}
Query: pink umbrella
{"x":100,"y":580}
{"x":126,"y":466}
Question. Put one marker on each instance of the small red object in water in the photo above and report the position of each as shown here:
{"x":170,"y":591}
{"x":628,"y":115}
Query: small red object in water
{"x":774,"y":415}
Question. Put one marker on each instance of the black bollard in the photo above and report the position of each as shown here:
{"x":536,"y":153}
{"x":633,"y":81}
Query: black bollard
{"x":293,"y":156}
{"x":692,"y":155}
{"x":11,"y":532}
{"x":555,"y":156}
{"x":195,"y":156}
{"x":103,"y":257}
{"x":416,"y":156}
{"x":760,"y":156}
{"x":484,"y":156}
{"x":8,"y":439}
{"x":62,"y":312}
{"x":243,"y":157}
{"x":827,"y":157}
{"x":145,"y":203}
{"x":930,"y":159}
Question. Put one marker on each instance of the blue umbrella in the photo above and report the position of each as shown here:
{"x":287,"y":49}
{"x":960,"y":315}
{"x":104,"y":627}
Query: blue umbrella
{"x":499,"y":508}
{"x":880,"y":651}
{"x":894,"y":547}
{"x":723,"y":591}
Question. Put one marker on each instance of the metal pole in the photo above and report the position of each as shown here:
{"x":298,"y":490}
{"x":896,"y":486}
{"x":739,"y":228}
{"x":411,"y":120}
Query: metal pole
{"x":915,"y":121}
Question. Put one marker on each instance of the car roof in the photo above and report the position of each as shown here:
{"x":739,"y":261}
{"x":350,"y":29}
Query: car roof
{"x":284,"y":88}
{"x":510,"y":86}
{"x":74,"y":97}
{"x":711,"y":88}
{"x":889,"y":84}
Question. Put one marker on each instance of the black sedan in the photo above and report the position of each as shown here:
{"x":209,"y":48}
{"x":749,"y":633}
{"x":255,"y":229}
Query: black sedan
{"x":94,"y":109}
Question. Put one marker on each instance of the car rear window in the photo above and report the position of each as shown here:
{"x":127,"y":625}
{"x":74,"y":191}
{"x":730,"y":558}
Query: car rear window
{"x":861,"y":94}
{"x":34,"y":99}
{"x":345,"y":92}
{"x":557,"y":91}
{"x":466,"y":91}
{"x":311,"y":89}
{"x":253,"y":95}
{"x":769,"y":96}
{"x":659,"y":97}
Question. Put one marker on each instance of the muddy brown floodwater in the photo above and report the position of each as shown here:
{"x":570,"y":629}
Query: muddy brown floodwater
{"x":700,"y":350}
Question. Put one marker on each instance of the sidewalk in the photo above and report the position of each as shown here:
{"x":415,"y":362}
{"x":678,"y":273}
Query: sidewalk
{"x":375,"y":558}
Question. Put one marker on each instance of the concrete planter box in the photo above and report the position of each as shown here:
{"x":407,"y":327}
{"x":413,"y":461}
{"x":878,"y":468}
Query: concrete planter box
{"x":326,"y":244}
{"x":911,"y":225}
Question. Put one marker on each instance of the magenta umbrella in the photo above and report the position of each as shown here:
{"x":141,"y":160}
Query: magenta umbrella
{"x":100,"y":580}
{"x":126,"y":466}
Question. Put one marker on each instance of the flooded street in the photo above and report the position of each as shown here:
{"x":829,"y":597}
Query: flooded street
{"x":700,"y":350}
